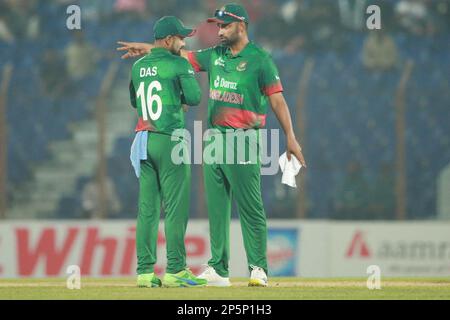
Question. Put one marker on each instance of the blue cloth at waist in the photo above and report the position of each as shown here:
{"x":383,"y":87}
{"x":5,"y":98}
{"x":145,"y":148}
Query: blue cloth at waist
{"x":139,"y":151}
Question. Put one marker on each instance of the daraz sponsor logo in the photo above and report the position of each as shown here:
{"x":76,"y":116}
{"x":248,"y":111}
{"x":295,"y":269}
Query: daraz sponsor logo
{"x":222,"y":83}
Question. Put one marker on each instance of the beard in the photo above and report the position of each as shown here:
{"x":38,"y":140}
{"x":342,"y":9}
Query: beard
{"x":175,"y":51}
{"x":228,"y":42}
{"x":231,"y":40}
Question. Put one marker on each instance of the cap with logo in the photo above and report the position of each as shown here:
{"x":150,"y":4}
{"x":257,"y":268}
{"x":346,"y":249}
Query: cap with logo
{"x":171,"y":26}
{"x":230,"y":13}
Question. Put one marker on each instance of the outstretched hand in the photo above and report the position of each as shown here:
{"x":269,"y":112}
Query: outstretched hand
{"x":134,"y":49}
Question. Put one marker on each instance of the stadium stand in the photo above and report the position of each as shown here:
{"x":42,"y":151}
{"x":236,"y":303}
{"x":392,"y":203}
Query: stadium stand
{"x":349,"y":116}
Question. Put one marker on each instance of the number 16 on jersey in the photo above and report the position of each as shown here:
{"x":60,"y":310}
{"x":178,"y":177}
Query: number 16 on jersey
{"x":148,"y":99}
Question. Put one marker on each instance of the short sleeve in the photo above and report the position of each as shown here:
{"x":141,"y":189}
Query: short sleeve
{"x":269,"y":79}
{"x":200,"y":59}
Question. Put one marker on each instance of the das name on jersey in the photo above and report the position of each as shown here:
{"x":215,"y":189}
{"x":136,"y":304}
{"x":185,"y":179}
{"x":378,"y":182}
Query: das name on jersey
{"x":146,"y":72}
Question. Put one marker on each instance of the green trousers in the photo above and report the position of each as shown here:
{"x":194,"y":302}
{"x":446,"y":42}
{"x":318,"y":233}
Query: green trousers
{"x":241,"y":181}
{"x":162,"y":181}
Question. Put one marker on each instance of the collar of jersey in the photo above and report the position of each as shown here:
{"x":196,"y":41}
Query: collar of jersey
{"x":242,"y":53}
{"x":160,"y":50}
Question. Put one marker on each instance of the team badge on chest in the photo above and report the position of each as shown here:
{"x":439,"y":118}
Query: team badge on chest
{"x":242,"y":66}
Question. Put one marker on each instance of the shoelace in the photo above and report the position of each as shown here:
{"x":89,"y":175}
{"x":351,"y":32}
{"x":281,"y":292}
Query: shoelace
{"x":258,"y":271}
{"x":255,"y":268}
{"x":188,"y":270}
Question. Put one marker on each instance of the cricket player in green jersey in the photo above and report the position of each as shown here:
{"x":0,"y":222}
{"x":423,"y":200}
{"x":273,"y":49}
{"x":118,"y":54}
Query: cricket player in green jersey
{"x":243,"y":81}
{"x":161,"y":82}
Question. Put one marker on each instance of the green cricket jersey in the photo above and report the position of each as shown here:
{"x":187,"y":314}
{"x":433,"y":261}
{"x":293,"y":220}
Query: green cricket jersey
{"x":238,"y":85}
{"x":160,"y":83}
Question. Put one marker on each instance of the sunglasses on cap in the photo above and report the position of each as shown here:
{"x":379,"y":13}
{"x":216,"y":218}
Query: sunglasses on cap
{"x":221,"y":13}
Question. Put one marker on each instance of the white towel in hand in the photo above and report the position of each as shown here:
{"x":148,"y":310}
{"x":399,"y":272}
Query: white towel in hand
{"x":290,"y":169}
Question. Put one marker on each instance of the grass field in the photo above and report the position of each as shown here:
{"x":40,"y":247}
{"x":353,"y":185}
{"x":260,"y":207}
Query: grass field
{"x":280,"y":288}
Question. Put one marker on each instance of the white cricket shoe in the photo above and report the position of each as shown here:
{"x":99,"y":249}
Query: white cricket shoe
{"x":258,"y":277}
{"x":214,"y":280}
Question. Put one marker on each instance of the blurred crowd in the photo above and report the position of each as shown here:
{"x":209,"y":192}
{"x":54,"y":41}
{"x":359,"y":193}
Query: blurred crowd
{"x":67,"y":63}
{"x":289,"y":25}
{"x":286,"y":26}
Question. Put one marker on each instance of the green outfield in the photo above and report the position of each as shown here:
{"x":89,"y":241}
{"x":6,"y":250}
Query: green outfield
{"x":280,"y":288}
